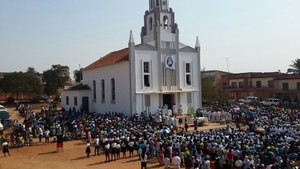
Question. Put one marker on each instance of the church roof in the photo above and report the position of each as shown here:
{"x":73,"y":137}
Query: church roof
{"x":109,"y":59}
{"x":79,"y":87}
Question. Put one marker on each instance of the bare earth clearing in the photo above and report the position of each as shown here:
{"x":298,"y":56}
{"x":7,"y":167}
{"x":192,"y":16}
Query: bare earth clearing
{"x":44,"y":156}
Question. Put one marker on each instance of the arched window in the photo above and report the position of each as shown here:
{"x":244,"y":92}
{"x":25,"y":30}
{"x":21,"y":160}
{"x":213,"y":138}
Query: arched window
{"x":166,"y":21}
{"x":113,"y":91}
{"x":150,"y":23}
{"x":94,"y":90}
{"x":157,"y":2}
{"x":102,"y":91}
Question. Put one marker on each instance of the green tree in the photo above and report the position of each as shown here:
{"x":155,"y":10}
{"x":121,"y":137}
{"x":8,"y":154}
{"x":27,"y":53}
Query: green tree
{"x":21,"y":83}
{"x":31,"y":70}
{"x":77,"y":75}
{"x":56,"y":77}
{"x":295,"y":66}
{"x":208,"y":90}
{"x":212,"y":94}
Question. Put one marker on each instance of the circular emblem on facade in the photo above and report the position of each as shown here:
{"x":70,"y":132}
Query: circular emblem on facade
{"x":170,"y":61}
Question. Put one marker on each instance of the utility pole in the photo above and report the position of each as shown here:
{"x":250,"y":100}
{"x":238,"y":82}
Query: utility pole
{"x":227,"y":62}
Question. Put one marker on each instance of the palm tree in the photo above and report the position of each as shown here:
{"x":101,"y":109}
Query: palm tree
{"x":295,"y":66}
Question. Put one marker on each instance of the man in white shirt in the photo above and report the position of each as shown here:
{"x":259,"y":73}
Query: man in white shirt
{"x":47,"y":135}
{"x":167,"y":162}
{"x":131,"y":144}
{"x":238,"y":163}
{"x":96,"y":144}
{"x":176,"y":161}
{"x":40,"y":130}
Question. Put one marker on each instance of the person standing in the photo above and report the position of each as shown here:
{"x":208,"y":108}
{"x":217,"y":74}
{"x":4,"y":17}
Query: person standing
{"x":206,"y":163}
{"x":238,"y":163}
{"x":143,"y":161}
{"x":96,"y":144}
{"x":5,"y":148}
{"x":107,"y":151}
{"x":118,"y":149}
{"x":113,"y":151}
{"x":124,"y":147}
{"x":195,"y":123}
{"x":160,"y":155}
{"x":176,"y":161}
{"x":40,"y":130}
{"x":59,"y":142}
{"x":180,"y":110}
{"x":130,"y":146}
{"x":47,"y":135}
{"x":188,"y":163}
{"x":167,"y":162}
{"x":88,"y":149}
{"x":230,"y":157}
{"x":186,"y":125}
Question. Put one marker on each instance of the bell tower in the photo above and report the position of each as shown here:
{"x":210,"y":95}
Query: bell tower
{"x":159,"y":23}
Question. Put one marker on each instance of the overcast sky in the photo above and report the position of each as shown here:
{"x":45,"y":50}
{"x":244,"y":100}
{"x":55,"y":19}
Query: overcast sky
{"x":249,"y":35}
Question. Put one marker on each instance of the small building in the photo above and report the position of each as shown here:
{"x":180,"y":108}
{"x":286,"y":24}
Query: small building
{"x":143,"y":77}
{"x":264,"y":85}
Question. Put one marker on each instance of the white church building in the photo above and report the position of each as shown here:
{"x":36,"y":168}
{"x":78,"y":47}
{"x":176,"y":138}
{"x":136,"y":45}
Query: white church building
{"x":143,"y":77}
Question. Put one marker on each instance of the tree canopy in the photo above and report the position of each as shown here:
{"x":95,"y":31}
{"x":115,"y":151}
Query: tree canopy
{"x":56,"y":77}
{"x":211,"y":93}
{"x":77,"y":75}
{"x":295,"y":66}
{"x":31,"y":70}
{"x":21,"y":83}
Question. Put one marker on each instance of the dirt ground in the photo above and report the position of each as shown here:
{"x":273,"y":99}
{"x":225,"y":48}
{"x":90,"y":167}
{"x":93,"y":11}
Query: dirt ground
{"x":44,"y":156}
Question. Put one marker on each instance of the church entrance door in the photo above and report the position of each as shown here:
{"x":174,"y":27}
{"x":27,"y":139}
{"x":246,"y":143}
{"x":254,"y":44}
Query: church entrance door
{"x":168,"y":99}
{"x":85,"y":104}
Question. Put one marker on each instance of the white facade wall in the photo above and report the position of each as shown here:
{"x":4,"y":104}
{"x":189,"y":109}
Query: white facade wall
{"x":71,"y":94}
{"x":156,"y":100}
{"x":154,"y":103}
{"x":142,"y":56}
{"x":192,"y":59}
{"x":120,"y":72}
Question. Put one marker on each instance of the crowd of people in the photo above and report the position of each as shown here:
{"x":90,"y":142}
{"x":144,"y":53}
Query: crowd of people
{"x":263,"y":137}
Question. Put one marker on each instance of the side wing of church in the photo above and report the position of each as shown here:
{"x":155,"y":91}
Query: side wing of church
{"x":159,"y":72}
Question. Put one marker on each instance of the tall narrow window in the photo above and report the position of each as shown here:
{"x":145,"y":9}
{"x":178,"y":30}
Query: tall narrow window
{"x":94,"y":91}
{"x":270,"y":83}
{"x":113,"y":91}
{"x":258,"y":84}
{"x":150,"y":23}
{"x":166,"y":22}
{"x":285,"y":86}
{"x":188,"y":74}
{"x":75,"y":101}
{"x":241,"y":84}
{"x":67,"y":100}
{"x":250,"y":84}
{"x":146,"y":74}
{"x":233,"y":84}
{"x":102,"y":91}
{"x":298,"y":86}
{"x":157,"y":2}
